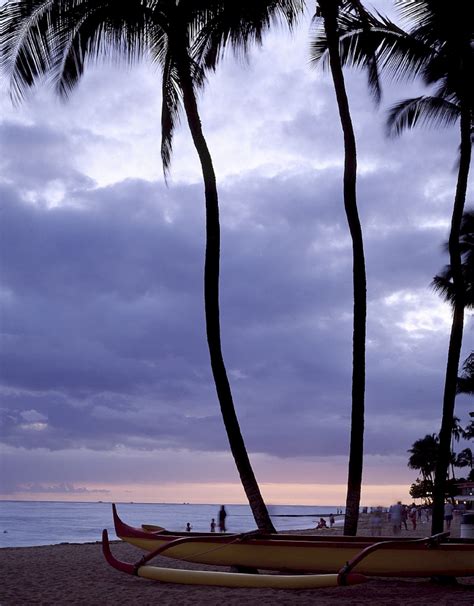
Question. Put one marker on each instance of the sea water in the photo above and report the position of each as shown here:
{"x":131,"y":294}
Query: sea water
{"x":29,"y":523}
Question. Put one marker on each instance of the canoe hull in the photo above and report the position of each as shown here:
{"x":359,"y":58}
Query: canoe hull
{"x":446,"y":560}
{"x":230,"y":579}
{"x":321,"y":555}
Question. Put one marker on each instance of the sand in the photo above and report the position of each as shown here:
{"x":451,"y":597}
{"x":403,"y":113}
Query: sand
{"x":78,"y":575}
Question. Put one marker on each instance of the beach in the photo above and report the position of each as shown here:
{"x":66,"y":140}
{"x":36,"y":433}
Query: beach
{"x":78,"y":574}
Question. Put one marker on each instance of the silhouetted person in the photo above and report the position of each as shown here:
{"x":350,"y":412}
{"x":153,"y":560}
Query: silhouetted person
{"x":396,"y":517}
{"x":213,"y":525}
{"x":222,"y":517}
{"x":448,"y":515}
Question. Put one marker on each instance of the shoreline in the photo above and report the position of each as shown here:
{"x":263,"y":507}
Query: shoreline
{"x":77,"y":574}
{"x":364,"y":529}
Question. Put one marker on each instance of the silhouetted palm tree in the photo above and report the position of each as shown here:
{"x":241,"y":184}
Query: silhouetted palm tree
{"x":326,"y":44}
{"x":423,"y":455}
{"x":439,"y":48}
{"x":466,"y":380}
{"x":56,"y":38}
{"x":443,"y":282}
{"x":464,"y":458}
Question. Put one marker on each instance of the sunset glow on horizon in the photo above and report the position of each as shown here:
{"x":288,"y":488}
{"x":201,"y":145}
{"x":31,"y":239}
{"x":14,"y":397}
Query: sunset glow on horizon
{"x":195,"y":493}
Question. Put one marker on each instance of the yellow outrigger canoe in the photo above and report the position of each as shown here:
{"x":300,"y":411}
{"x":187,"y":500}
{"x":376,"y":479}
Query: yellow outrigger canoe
{"x":228,"y":579}
{"x":318,"y":555}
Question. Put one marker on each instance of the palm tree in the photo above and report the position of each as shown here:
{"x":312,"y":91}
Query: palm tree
{"x":466,"y":385}
{"x":423,"y":455}
{"x":438,"y":48}
{"x":58,"y":37}
{"x":466,"y":380}
{"x":327,"y":44}
{"x":443,"y":282}
{"x":447,"y":286}
{"x":464,"y":458}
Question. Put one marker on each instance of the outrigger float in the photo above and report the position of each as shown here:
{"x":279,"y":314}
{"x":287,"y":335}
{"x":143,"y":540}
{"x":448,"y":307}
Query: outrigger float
{"x":336,"y":556}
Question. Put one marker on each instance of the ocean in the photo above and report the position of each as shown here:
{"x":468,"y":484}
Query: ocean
{"x":31,"y":523}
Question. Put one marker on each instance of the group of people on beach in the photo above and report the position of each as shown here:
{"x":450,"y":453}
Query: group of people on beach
{"x":221,"y":521}
{"x":400,"y":515}
{"x":323,"y":524}
{"x":221,"y":518}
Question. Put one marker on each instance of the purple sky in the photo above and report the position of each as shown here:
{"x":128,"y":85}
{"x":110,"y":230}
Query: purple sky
{"x":106,"y":390}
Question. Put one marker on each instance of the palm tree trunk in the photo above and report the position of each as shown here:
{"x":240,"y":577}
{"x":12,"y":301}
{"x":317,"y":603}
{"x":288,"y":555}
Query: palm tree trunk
{"x":329,"y":11}
{"x":211,"y":299}
{"x":457,"y":326}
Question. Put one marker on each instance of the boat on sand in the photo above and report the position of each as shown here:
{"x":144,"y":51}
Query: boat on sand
{"x":371,"y":556}
{"x":229,"y":579}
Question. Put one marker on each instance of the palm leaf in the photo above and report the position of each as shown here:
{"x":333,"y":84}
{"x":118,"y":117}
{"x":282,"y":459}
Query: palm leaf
{"x":56,"y":37}
{"x":169,"y":110}
{"x":24,"y":47}
{"x":423,"y":110}
{"x":373,"y":40}
{"x":443,"y":282}
{"x":240,"y":25}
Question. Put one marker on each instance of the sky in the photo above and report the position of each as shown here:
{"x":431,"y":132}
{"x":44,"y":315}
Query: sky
{"x":105,"y":383}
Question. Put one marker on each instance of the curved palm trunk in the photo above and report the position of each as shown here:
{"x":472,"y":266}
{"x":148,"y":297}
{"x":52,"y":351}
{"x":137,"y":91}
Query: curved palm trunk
{"x":329,"y":11}
{"x":211,"y":299}
{"x":457,"y":326}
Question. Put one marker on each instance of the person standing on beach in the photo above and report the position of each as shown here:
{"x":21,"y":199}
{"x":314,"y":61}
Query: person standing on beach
{"x":331,"y":520}
{"x":188,"y":527}
{"x":376,"y":521}
{"x":427,"y":511}
{"x":404,"y":516}
{"x":213,"y":525}
{"x":395,"y":514}
{"x":222,"y":517}
{"x":448,"y":515}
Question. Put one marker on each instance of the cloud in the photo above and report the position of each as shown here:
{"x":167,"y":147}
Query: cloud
{"x":103,"y":346}
{"x":103,"y":317}
{"x":58,"y":489}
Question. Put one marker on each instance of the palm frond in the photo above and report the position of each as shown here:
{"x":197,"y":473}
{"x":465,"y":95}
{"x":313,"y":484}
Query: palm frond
{"x":466,"y":380}
{"x":443,"y":285}
{"x":414,"y":11}
{"x":351,"y":17}
{"x":25,"y":48}
{"x":240,"y":25}
{"x":169,"y":110}
{"x":106,"y":29}
{"x":424,"y":110}
{"x":375,"y":39}
{"x":443,"y":282}
{"x":56,"y":37}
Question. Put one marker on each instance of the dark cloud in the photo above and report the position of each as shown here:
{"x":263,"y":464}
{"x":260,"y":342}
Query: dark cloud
{"x":103,"y":324}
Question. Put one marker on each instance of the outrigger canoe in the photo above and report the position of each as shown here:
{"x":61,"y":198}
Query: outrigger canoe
{"x":426,"y":557}
{"x":228,"y":579}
